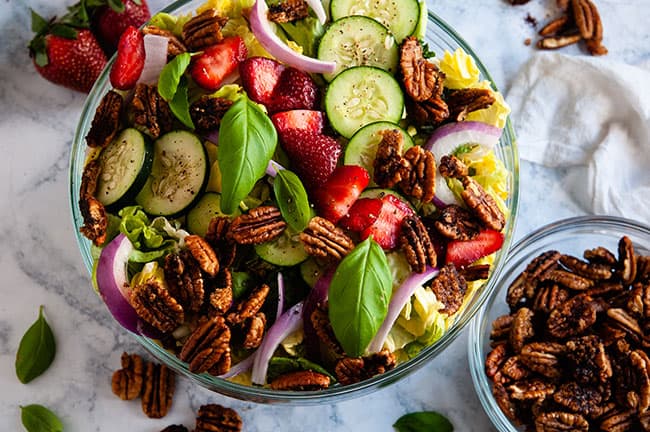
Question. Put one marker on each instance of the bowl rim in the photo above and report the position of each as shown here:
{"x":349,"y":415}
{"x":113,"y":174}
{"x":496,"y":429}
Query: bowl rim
{"x":258,"y":394}
{"x":475,"y":358}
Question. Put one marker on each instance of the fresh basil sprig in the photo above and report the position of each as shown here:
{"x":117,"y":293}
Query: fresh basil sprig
{"x":180,"y":104}
{"x":37,"y":418}
{"x":358,"y":296}
{"x":292,"y":199}
{"x":423,"y":421}
{"x":172,"y":86}
{"x":36,"y":350}
{"x":247,"y":140}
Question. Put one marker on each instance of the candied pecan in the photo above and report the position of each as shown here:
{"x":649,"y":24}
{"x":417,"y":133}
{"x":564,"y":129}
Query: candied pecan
{"x":638,"y":303}
{"x":207,"y":346}
{"x":555,"y":42}
{"x":534,"y":388}
{"x":127,"y":382}
{"x":420,"y":76}
{"x":432,"y":111}
{"x":644,"y":421}
{"x":175,"y":428}
{"x":475,"y":272}
{"x":223,"y":245}
{"x":389,"y":167}
{"x":521,"y":329}
{"x":349,"y":370}
{"x":216,"y":418}
{"x":643,"y":268}
{"x":323,"y":239}
{"x":379,"y":362}
{"x":588,"y":360}
{"x":549,"y":297}
{"x":157,"y":390}
{"x":203,"y":254}
{"x":619,"y":421}
{"x":567,"y":279}
{"x":288,"y":11}
{"x":151,"y":113}
{"x":578,"y":398}
{"x":419,"y":181}
{"x":507,"y":405}
{"x":641,"y":366}
{"x":583,"y":18}
{"x":543,"y":358}
{"x":594,"y":44}
{"x":557,"y":421}
{"x":184,"y":280}
{"x":449,"y":288}
{"x":555,"y":26}
{"x":92,"y":211}
{"x":106,"y":122}
{"x":605,"y":289}
{"x":501,"y":327}
{"x":456,"y":223}
{"x":513,"y":368}
{"x":260,"y":225}
{"x":254,"y":330}
{"x":600,"y":255}
{"x":452,"y":167}
{"x":621,"y":319}
{"x":464,"y":101}
{"x":304,"y":380}
{"x":208,"y":111}
{"x":592,"y":271}
{"x":540,"y":265}
{"x":221,"y":296}
{"x":174,"y":45}
{"x":495,"y":359}
{"x":416,"y":244}
{"x":482,"y":204}
{"x":516,"y":290}
{"x":626,"y":260}
{"x":154,"y":304}
{"x":250,"y":306}
{"x":573,"y":317}
{"x":203,"y":30}
{"x":323,"y":328}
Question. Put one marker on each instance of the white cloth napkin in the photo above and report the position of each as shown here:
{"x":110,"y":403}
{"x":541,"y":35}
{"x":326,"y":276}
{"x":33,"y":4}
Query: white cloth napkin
{"x":591,"y":116}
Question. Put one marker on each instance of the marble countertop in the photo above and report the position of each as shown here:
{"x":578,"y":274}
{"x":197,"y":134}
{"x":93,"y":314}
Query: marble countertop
{"x":40,"y":262}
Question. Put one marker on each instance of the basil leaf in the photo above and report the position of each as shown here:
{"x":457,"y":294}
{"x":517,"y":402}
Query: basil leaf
{"x":37,"y":418}
{"x":292,"y":199}
{"x":39,"y":24}
{"x":36,"y":350}
{"x":358,"y":296}
{"x":283,"y":365}
{"x":180,"y":105}
{"x":247,"y":140}
{"x":117,"y":5}
{"x":171,"y":74}
{"x":242,"y":282}
{"x":424,"y":421}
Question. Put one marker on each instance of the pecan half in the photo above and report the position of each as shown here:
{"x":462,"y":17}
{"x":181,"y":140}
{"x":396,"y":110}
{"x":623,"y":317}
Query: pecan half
{"x":588,"y":360}
{"x":531,"y":389}
{"x":558,"y":421}
{"x":521,"y":329}
{"x":456,"y":223}
{"x":502,"y":397}
{"x":127,"y":382}
{"x":224,"y":246}
{"x":221,"y":294}
{"x":350,"y":370}
{"x":389,"y":167}
{"x":555,"y":26}
{"x":250,"y":306}
{"x":600,"y":255}
{"x":567,"y":279}
{"x":158,"y":390}
{"x":208,"y":346}
{"x":288,"y":11}
{"x":260,"y":225}
{"x":549,"y":297}
{"x":482,"y":204}
{"x":420,"y":76}
{"x":154,"y":304}
{"x":323,"y":239}
{"x":573,"y":317}
{"x":513,"y":368}
{"x":420,"y":181}
{"x":203,"y":30}
{"x":321,"y":324}
{"x":643,"y":268}
{"x":464,"y":101}
{"x":151,"y":113}
{"x":203,"y":254}
{"x":592,"y":271}
{"x":301,"y":380}
{"x":174,"y":45}
{"x":254,"y":330}
{"x":583,"y":17}
{"x":577,"y":398}
{"x":501,"y":327}
{"x":216,"y":418}
{"x":619,"y":421}
{"x":495,"y":359}
{"x":555,"y":42}
{"x":475,"y":272}
{"x":626,"y":260}
{"x":92,"y":211}
{"x":184,"y":280}
{"x":449,"y":288}
{"x":516,"y":290}
{"x":416,"y":244}
{"x":641,"y":366}
{"x":106,"y":121}
{"x":543,"y":358}
{"x":595,"y":45}
{"x":207,"y":112}
{"x":432,"y":111}
{"x":452,"y":167}
{"x":621,"y":319}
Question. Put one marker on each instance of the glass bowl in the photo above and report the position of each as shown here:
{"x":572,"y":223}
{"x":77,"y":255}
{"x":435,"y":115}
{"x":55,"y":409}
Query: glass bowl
{"x":569,"y":236}
{"x":440,"y":36}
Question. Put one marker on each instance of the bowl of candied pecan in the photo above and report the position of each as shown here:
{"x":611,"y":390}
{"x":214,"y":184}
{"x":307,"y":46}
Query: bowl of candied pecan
{"x":562,"y":343}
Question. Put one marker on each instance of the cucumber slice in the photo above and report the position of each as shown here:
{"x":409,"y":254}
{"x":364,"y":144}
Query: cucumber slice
{"x":311,"y":271}
{"x":362,"y":95}
{"x":199,"y":217}
{"x":125,"y":165}
{"x":399,"y":16}
{"x":286,"y":250}
{"x":358,"y":41}
{"x":362,"y":148}
{"x":178,"y":175}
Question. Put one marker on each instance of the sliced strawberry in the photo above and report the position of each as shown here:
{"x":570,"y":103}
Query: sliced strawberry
{"x":308,"y":120}
{"x":363,"y":213}
{"x":259,"y":77}
{"x":210,"y":68}
{"x":295,"y":90}
{"x":334,"y":199}
{"x":313,"y":155}
{"x":112,"y":18}
{"x":462,"y":253}
{"x":129,"y":61}
{"x":386,"y":228}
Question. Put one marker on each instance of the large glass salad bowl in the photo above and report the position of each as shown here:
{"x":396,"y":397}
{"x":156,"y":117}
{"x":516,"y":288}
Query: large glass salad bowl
{"x":439,"y":37}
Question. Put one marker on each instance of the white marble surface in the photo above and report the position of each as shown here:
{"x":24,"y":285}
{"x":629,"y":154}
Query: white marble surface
{"x":40,"y":263}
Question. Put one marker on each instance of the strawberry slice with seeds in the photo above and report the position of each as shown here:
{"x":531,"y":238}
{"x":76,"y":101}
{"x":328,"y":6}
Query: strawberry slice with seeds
{"x":363,"y":213}
{"x":386,"y":227}
{"x":335,"y":198}
{"x":308,"y":120}
{"x":295,"y":90}
{"x":313,"y":155}
{"x":462,"y":253}
{"x":259,"y":77}
{"x":129,"y":61}
{"x":217,"y":62}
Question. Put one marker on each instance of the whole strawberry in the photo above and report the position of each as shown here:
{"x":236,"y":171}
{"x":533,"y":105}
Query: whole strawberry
{"x":64,"y":54}
{"x":112,"y":17}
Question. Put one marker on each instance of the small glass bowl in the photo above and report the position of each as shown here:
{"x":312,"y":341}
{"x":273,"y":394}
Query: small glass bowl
{"x":440,"y":36}
{"x":569,"y":236}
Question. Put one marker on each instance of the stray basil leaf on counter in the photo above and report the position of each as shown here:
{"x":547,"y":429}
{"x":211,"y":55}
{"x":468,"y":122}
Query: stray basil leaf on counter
{"x":424,"y":421}
{"x":247,"y":141}
{"x":292,"y":199}
{"x":37,"y":418}
{"x":171,"y":74}
{"x":36,"y":350}
{"x":358,"y":296}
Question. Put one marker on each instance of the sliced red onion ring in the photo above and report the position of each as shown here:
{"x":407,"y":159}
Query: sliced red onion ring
{"x":280,"y":296}
{"x":155,"y":49}
{"x":273,"y":167}
{"x":397,"y":302}
{"x":287,"y":323}
{"x":262,"y":30}
{"x":240,"y":367}
{"x":319,"y":10}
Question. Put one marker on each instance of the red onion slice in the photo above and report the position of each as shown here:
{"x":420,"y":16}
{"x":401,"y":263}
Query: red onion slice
{"x":280,"y":296}
{"x":240,"y":367}
{"x":319,"y":10}
{"x":273,"y":167}
{"x":155,"y":49}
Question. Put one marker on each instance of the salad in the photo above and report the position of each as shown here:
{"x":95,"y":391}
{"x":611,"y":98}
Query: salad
{"x":291,"y":195}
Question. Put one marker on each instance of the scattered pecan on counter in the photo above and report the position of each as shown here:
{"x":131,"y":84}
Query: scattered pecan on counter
{"x":203,"y":30}
{"x":213,"y":417}
{"x":127,"y":382}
